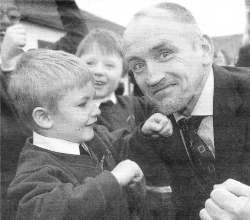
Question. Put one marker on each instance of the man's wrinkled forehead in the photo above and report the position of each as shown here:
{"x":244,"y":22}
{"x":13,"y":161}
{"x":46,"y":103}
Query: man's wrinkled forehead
{"x":142,"y":22}
{"x":144,"y":30}
{"x":7,"y":4}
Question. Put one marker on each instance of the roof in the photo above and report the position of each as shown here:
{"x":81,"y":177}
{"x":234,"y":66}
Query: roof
{"x":44,"y":12}
{"x":230,"y":44}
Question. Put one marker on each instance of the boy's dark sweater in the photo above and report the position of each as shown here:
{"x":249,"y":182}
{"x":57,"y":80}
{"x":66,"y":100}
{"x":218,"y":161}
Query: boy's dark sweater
{"x":13,"y":132}
{"x":128,"y":112}
{"x":51,"y":185}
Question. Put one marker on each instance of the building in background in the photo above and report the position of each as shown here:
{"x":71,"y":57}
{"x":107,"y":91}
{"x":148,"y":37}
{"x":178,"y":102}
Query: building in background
{"x":41,"y":19}
{"x":246,"y":36}
{"x":230,"y":44}
{"x":44,"y":27}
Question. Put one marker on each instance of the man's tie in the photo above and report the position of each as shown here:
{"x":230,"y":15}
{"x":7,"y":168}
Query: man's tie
{"x":83,"y":150}
{"x":201,"y":157}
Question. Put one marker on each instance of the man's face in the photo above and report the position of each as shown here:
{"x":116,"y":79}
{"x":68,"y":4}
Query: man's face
{"x":168,"y":67}
{"x":75,"y":116}
{"x":9,"y":15}
{"x":107,"y":70}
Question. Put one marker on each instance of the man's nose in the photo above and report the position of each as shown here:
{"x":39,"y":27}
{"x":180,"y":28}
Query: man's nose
{"x":154,"y":74}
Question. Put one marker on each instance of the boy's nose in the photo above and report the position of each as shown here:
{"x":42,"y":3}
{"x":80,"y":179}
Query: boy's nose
{"x":96,"y":111}
{"x":5,"y":21}
{"x":98,"y":70}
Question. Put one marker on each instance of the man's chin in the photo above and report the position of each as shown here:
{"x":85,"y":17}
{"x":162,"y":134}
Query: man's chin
{"x":168,"y":107}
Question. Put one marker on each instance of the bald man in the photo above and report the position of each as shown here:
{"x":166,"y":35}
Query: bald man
{"x":171,"y":60}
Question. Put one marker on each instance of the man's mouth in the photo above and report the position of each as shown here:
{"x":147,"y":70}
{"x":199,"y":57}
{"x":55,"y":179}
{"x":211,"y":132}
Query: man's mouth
{"x":160,"y":89}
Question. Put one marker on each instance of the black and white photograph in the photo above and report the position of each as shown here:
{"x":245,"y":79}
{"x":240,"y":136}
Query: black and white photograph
{"x":125,"y":109}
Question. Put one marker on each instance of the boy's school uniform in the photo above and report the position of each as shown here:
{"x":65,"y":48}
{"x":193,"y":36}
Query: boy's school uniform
{"x":128,"y":112}
{"x":13,"y":132}
{"x":53,"y":185}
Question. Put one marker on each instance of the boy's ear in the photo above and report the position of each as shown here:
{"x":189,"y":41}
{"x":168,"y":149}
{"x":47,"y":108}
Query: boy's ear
{"x":41,"y":117}
{"x":208,"y":49}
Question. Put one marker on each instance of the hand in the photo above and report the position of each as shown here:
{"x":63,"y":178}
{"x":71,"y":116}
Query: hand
{"x":158,"y":125}
{"x":127,"y":172}
{"x":14,"y":38}
{"x":229,"y":201}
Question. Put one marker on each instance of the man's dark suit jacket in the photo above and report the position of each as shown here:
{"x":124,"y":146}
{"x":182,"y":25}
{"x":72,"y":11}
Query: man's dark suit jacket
{"x":231,"y":121}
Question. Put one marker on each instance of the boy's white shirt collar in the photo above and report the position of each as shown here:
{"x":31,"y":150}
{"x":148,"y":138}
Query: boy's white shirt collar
{"x":111,"y":97}
{"x":56,"y":145}
{"x":204,"y":105}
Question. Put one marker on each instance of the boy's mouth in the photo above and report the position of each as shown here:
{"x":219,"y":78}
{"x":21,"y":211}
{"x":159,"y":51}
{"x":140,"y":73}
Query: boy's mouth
{"x":2,"y":33}
{"x":99,"y":83}
{"x":90,"y":124}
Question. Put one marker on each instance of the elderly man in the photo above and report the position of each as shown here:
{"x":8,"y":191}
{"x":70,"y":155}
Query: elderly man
{"x":209,"y":106}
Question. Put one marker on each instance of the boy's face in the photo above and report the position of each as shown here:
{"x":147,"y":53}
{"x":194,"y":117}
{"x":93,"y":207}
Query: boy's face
{"x":75,"y":115}
{"x":107,"y":70}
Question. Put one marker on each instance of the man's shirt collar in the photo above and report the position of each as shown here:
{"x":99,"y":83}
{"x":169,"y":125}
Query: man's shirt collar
{"x":204,"y":105}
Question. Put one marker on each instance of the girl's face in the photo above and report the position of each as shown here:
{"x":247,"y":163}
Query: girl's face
{"x":107,"y":69}
{"x":219,"y":59}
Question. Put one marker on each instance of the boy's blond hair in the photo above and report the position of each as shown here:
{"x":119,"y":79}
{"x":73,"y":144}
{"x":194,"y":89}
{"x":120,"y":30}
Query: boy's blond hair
{"x":42,"y":77}
{"x":109,"y":43}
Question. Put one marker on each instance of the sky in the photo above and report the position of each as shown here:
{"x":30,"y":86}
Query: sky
{"x":215,"y":17}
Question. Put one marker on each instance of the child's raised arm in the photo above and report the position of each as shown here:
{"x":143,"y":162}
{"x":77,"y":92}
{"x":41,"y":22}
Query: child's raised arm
{"x":158,"y":125}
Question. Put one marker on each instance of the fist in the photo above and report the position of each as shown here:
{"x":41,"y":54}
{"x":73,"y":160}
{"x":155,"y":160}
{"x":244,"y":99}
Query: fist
{"x":158,"y":125}
{"x":127,"y":172}
{"x":15,"y":35}
{"x":228,"y":201}
{"x":14,"y":38}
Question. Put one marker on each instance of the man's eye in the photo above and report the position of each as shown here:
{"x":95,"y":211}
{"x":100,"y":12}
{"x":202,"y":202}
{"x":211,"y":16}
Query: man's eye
{"x":90,"y":63}
{"x":165,"y":55}
{"x":138,"y":67}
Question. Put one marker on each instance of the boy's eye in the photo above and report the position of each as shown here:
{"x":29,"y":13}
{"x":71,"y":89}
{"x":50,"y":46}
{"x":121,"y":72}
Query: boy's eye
{"x":14,"y":15}
{"x":109,"y":65}
{"x":82,"y":104}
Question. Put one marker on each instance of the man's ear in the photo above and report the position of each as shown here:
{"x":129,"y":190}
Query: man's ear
{"x":208,"y":49}
{"x":41,"y":117}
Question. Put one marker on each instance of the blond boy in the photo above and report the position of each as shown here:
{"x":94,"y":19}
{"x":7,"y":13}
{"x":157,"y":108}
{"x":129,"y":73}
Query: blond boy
{"x":67,"y":170}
